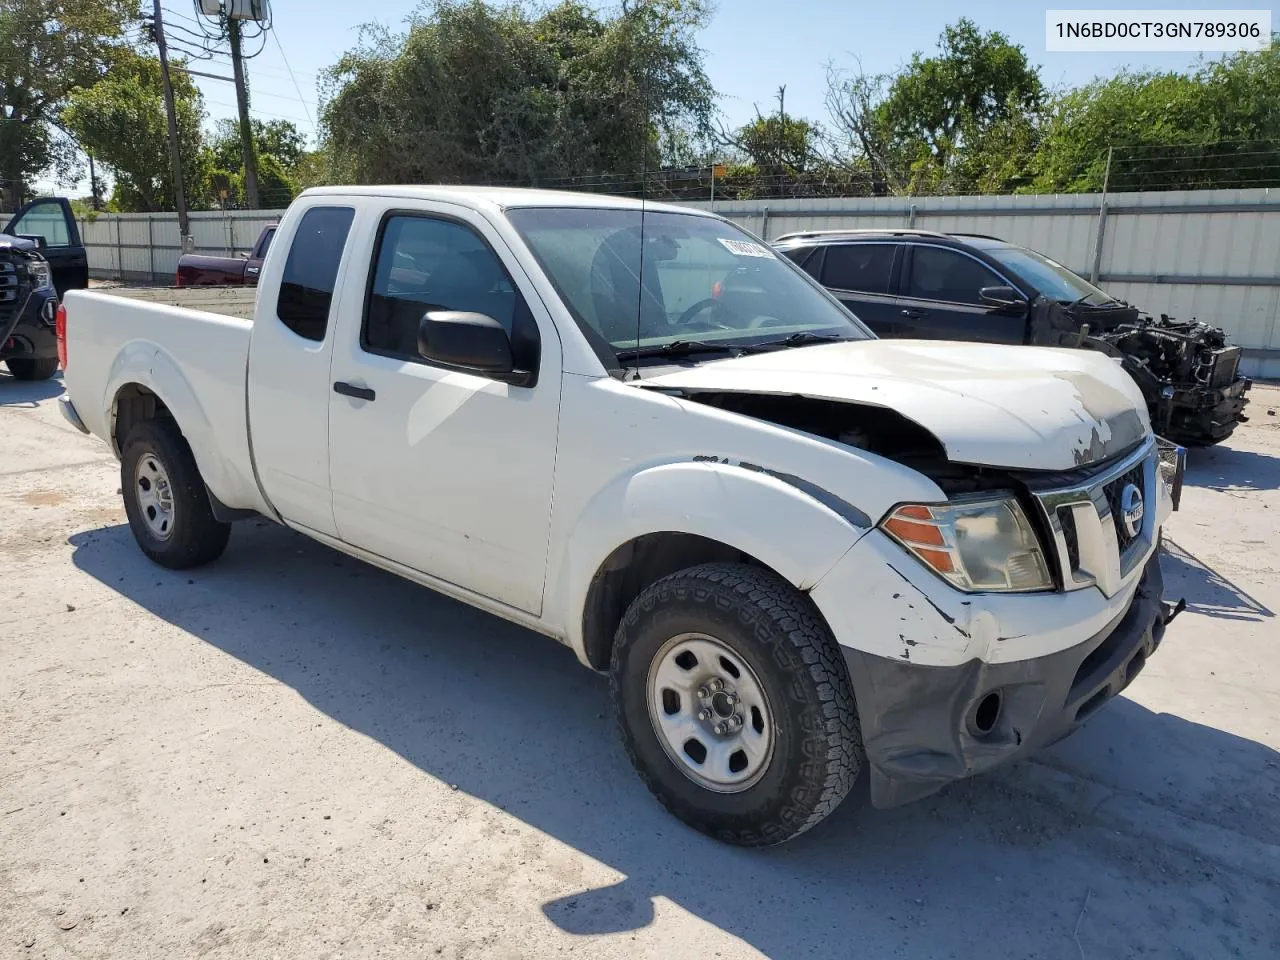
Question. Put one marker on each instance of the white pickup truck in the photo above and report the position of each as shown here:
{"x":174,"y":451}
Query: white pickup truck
{"x":795,"y":549}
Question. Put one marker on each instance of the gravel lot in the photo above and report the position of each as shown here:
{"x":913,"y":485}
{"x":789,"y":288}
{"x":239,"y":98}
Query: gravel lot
{"x":289,"y":754}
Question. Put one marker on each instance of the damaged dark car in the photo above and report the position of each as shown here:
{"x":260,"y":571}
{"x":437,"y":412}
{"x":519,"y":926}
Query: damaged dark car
{"x":932,"y":286}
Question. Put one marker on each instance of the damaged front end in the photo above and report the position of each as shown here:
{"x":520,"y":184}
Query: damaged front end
{"x":1188,"y":373}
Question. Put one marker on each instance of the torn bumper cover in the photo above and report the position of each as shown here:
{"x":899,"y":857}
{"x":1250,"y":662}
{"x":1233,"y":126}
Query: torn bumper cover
{"x":925,"y":726}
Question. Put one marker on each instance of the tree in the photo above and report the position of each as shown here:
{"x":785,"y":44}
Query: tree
{"x":278,"y":138}
{"x":945,"y":121}
{"x":121,"y":120}
{"x":51,"y":47}
{"x":279,"y":146}
{"x":478,"y":92}
{"x":1218,"y":126}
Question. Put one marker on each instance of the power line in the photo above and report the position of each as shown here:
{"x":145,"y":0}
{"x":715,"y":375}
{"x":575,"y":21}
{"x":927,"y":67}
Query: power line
{"x":276,"y":37}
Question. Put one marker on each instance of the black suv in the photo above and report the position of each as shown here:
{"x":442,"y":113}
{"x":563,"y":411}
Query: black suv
{"x":960,"y":286}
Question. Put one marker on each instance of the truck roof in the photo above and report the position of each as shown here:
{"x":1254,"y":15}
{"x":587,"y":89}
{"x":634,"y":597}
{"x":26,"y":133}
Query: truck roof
{"x":500,"y":198}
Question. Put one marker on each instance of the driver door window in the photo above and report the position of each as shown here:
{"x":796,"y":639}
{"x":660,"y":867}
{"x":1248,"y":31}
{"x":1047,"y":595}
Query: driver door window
{"x":947,"y":276}
{"x":426,"y":264}
{"x":45,"y":219}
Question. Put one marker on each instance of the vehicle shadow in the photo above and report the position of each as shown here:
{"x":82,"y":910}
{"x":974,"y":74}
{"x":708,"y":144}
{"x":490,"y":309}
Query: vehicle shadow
{"x":982,"y":870}
{"x":1205,"y":590}
{"x":28,"y":393}
{"x":1224,"y":468}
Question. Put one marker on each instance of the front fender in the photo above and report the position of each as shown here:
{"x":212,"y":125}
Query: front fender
{"x":787,"y":528}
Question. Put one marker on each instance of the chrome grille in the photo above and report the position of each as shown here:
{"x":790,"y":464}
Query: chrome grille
{"x":9,"y":289}
{"x":1086,"y":521}
{"x":1113,"y":492}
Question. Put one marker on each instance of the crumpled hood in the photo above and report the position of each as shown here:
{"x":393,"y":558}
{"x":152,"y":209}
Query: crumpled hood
{"x":1034,"y":408}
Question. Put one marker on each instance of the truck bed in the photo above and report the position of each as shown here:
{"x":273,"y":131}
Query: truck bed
{"x":190,"y":347}
{"x":229,"y":301}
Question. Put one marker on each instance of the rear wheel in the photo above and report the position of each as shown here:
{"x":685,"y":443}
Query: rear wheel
{"x":734,"y":703}
{"x":165,"y":499}
{"x":30,"y":368}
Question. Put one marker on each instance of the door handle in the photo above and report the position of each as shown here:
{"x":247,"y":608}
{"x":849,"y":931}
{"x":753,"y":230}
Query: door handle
{"x":351,"y":390}
{"x":911,"y":313}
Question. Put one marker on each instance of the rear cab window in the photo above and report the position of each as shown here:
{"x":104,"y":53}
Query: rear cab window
{"x":311,"y":271}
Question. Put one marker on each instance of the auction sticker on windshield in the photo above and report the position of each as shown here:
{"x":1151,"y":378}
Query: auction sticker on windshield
{"x":744,"y":248}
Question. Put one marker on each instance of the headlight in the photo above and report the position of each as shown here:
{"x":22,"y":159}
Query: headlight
{"x":41,"y":274}
{"x":975,"y":545}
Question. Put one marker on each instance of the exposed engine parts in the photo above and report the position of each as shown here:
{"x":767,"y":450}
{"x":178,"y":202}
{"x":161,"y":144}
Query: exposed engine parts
{"x":1188,"y":373}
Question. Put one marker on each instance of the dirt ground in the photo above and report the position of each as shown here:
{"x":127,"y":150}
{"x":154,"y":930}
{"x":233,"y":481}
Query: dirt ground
{"x":288,"y":754}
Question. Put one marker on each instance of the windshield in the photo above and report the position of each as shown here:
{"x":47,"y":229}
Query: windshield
{"x":1051,"y":278}
{"x":706,"y":284}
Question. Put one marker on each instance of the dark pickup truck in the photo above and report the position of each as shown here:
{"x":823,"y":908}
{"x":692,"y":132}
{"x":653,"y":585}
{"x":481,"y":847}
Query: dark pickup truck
{"x":923,"y":285}
{"x":41,"y":258}
{"x":200,"y":271}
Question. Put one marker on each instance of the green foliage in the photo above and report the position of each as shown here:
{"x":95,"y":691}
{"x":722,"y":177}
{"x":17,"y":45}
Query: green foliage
{"x":479,"y":92}
{"x":279,"y":147}
{"x":279,"y":138}
{"x":121,"y":120}
{"x":1217,"y":126}
{"x":962,"y":120}
{"x":50,"y":48}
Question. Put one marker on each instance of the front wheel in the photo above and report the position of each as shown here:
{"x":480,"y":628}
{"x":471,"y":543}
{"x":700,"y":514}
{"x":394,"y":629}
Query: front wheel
{"x":165,"y":499}
{"x":734,"y":704}
{"x":30,"y":368}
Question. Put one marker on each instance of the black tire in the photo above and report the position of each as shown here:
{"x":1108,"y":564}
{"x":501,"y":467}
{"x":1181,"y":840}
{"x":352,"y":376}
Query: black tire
{"x":31,"y":368}
{"x":195,"y":536}
{"x":817,"y":745}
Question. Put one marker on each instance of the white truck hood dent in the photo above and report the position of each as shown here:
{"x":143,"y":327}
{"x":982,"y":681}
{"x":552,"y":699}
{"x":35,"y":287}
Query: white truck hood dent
{"x":1034,"y":408}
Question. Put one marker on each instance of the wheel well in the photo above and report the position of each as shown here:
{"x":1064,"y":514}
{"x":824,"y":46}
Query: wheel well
{"x":631,"y":568}
{"x":133,"y":405}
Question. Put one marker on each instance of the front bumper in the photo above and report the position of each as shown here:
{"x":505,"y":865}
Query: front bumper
{"x":31,"y":331}
{"x":1201,"y":414}
{"x":925,"y":726}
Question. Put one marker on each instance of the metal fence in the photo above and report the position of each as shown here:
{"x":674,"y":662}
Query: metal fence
{"x":1210,"y":254}
{"x":145,"y":247}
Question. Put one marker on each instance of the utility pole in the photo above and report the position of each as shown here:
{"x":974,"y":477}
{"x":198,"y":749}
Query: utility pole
{"x":175,"y":158}
{"x":246,"y":130}
{"x":1102,"y":220}
{"x":93,"y":184}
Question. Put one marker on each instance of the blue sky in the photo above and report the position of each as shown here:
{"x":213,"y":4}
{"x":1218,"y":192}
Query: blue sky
{"x":752,"y":46}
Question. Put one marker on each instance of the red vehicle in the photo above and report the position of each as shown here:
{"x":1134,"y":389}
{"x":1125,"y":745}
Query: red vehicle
{"x":199,"y":271}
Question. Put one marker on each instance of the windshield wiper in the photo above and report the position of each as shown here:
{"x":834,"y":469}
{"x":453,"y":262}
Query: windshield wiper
{"x":1080,"y":301}
{"x":802,"y":339}
{"x":679,"y":348}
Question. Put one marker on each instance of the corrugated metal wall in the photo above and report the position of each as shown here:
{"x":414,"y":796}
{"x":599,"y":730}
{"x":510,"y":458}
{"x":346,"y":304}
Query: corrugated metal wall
{"x":145,"y":247}
{"x":1209,"y":254}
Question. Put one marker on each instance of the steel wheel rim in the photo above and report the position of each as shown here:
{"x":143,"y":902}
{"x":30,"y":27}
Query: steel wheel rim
{"x":710,"y":713}
{"x":154,"y":494}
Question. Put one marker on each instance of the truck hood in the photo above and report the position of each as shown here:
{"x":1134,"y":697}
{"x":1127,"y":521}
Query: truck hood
{"x":10,"y":242}
{"x":1032,"y":408}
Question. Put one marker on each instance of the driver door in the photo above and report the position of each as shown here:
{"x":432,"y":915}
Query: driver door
{"x":444,"y":471}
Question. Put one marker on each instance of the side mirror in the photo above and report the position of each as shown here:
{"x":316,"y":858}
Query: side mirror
{"x":1002,"y":296}
{"x":471,"y":342}
{"x":38,"y":239}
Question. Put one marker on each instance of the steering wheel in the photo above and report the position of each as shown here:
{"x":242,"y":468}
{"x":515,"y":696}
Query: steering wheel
{"x":709,"y":303}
